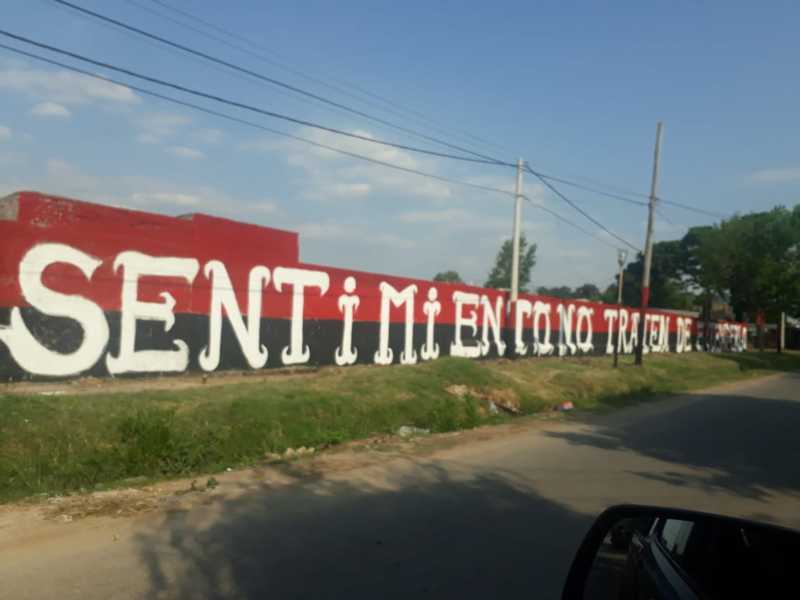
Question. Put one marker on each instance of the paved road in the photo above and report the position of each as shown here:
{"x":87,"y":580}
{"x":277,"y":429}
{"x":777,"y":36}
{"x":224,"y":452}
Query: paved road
{"x":498,"y":516}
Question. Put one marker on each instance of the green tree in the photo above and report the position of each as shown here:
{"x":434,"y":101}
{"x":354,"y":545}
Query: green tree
{"x":588,"y":291}
{"x":448,"y":277}
{"x":754,"y":262}
{"x":668,"y":288}
{"x":562,"y":291}
{"x":500,"y":275}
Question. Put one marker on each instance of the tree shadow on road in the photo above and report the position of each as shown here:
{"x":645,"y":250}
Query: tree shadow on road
{"x":419,"y":533}
{"x":747,"y":445}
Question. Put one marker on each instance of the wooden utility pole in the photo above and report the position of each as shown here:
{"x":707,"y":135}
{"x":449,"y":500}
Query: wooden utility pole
{"x":621,"y":256}
{"x":648,"y":247}
{"x":515,"y":234}
{"x":781,"y":331}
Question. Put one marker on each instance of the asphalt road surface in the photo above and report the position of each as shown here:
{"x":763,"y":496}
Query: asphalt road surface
{"x":496,"y":514}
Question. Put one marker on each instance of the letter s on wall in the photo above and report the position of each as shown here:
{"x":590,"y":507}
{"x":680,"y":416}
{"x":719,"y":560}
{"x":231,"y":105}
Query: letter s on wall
{"x":26,"y":350}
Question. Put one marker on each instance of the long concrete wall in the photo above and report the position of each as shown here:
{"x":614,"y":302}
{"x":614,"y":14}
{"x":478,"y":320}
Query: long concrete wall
{"x":90,"y":289}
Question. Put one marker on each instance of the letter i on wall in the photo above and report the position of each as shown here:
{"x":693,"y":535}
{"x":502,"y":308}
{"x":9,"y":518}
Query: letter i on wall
{"x":348,"y":304}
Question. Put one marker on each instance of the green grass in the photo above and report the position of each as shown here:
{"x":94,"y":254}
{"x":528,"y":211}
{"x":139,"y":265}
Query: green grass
{"x":82,"y":442}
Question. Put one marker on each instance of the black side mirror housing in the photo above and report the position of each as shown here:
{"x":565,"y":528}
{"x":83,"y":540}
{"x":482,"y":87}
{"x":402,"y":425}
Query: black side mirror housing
{"x":645,"y":551}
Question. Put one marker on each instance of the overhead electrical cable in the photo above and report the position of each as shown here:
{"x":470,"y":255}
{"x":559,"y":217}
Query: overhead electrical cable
{"x":701,"y":211}
{"x":271,"y":80}
{"x":342,"y":87}
{"x":252,"y":124}
{"x":587,"y":188}
{"x":562,"y":218}
{"x":241,"y":105}
{"x":589,"y":217}
{"x":355,"y":155}
{"x":486,"y":158}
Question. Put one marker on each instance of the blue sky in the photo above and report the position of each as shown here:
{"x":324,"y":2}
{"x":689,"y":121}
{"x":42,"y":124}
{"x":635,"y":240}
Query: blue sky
{"x":575,"y":89}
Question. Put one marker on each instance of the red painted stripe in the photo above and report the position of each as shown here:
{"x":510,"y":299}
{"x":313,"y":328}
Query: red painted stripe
{"x":104,"y":232}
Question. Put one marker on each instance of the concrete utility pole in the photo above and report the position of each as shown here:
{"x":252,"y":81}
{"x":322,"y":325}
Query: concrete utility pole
{"x":648,"y":247}
{"x":515,"y":234}
{"x":621,"y":256}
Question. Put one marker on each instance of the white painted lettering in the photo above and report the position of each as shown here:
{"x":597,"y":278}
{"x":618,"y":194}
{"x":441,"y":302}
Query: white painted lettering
{"x":565,"y":343}
{"x":224,"y":298}
{"x":542,"y":346}
{"x":297,"y":353}
{"x":492,"y":317}
{"x":348,"y":304}
{"x":457,"y":348}
{"x":26,"y":350}
{"x":390,"y":296}
{"x":522,"y":309}
{"x":431,"y":308}
{"x":133,"y":266}
{"x":584,"y":325}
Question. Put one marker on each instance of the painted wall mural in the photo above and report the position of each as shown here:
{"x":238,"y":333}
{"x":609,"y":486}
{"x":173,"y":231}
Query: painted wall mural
{"x":91,"y":289}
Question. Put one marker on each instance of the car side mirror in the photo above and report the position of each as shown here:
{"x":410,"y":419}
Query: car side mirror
{"x":634,"y":552}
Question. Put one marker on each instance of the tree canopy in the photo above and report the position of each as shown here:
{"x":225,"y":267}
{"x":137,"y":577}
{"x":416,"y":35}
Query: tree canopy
{"x":587,"y":291}
{"x":448,"y":277}
{"x":500,"y":275}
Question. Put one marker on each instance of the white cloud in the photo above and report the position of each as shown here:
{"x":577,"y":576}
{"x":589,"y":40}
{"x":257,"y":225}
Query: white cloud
{"x":208,"y":136}
{"x":64,"y":87}
{"x":173,"y":198}
{"x":324,"y":231}
{"x":148,"y":138}
{"x":13,"y":159}
{"x":157,"y":127}
{"x":266,"y":207}
{"x":332,"y":175}
{"x":51,"y":110}
{"x":5,"y":133}
{"x":330,"y":231}
{"x":776,"y":175}
{"x":449,"y":215}
{"x":185,"y":152}
{"x":348,"y":190}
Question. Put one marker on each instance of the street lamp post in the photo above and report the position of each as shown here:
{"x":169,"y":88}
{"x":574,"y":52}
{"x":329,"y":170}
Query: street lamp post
{"x":622,"y":256}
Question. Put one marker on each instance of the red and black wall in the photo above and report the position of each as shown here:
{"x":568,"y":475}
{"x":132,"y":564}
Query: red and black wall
{"x":90,"y":289}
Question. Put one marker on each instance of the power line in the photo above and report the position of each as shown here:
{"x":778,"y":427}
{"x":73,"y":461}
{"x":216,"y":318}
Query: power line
{"x":302,"y":139}
{"x":693,"y":209}
{"x":241,"y":105}
{"x":562,"y":218}
{"x":356,"y":92}
{"x":587,"y":188}
{"x":270,"y":80}
{"x":252,"y":124}
{"x":558,"y":193}
{"x":486,"y":159}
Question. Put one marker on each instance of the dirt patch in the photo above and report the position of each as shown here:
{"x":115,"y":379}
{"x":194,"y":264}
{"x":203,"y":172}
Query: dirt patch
{"x":505,"y":399}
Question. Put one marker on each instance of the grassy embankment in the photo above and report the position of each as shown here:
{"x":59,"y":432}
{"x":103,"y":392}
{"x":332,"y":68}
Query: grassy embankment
{"x":65,"y":443}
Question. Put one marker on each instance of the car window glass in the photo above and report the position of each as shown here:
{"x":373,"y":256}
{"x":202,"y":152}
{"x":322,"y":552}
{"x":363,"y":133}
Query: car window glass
{"x":674,"y":536}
